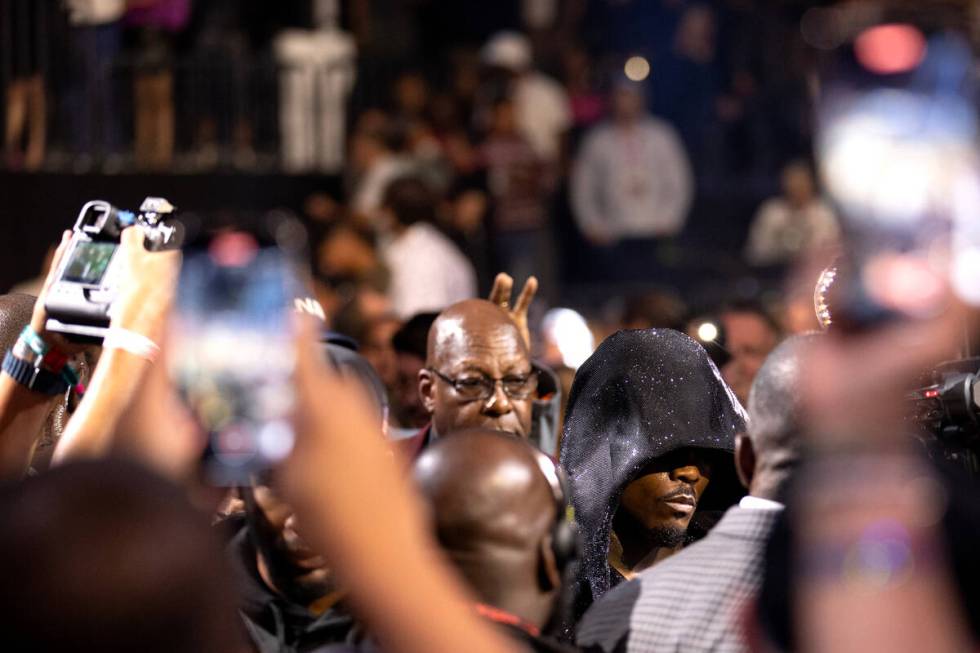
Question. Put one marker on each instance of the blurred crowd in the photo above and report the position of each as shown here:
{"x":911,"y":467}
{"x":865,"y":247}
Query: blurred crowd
{"x":207,"y":75}
{"x":536,"y":125}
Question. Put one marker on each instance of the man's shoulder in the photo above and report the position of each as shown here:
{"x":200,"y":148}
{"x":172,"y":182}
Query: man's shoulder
{"x":606,"y":624}
{"x":740,"y":534}
{"x":692,"y":600}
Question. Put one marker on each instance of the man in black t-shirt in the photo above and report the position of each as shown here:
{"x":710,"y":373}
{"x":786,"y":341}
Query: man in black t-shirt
{"x":288,"y":597}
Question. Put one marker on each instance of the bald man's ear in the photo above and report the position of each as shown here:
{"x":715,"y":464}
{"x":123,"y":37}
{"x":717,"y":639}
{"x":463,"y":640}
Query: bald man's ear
{"x":549,"y":575}
{"x":427,"y":390}
{"x":744,"y":459}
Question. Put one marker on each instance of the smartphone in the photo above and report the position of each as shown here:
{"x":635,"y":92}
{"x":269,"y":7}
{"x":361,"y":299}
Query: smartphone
{"x":233,"y":351}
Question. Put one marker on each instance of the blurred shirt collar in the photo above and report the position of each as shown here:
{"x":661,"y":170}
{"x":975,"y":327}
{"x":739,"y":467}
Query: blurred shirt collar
{"x":758,"y":503}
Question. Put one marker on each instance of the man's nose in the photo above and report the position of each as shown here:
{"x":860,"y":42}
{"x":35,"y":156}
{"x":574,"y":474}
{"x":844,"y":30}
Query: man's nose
{"x":688,"y":474}
{"x":498,"y":403}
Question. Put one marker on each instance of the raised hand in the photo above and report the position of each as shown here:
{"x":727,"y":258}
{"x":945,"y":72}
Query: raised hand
{"x":149,"y":287}
{"x":500,"y":294}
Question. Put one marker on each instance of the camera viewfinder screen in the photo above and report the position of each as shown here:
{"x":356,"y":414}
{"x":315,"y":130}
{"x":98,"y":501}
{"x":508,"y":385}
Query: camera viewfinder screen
{"x":88,"y":262}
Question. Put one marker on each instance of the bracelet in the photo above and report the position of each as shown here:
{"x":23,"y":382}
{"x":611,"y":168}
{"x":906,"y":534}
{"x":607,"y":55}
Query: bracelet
{"x":35,"y":342}
{"x":24,"y":352}
{"x":135,"y":343}
{"x":33,"y":378}
{"x":54,"y":361}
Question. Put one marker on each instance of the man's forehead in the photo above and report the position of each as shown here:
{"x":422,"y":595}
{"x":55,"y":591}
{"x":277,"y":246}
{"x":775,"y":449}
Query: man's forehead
{"x":458,"y":339}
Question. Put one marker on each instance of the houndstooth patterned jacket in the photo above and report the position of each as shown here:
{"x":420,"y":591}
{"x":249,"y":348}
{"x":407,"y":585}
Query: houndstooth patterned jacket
{"x":693,"y":601}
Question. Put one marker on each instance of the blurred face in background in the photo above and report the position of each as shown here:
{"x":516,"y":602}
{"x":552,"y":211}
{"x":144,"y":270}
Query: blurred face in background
{"x":504,"y":121}
{"x":411,"y":411}
{"x":286,"y":563}
{"x":749,"y":338}
{"x":798,"y":184}
{"x":378,"y":351}
{"x":627,"y":103}
{"x":411,"y":93}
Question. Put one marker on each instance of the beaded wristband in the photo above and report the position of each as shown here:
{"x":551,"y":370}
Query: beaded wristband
{"x":35,"y":342}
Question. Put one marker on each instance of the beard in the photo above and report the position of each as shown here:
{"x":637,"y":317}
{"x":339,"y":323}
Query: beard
{"x":667,"y":537}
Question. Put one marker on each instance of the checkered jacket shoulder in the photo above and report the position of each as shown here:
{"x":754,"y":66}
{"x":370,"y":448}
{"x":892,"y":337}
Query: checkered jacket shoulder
{"x":693,"y":601}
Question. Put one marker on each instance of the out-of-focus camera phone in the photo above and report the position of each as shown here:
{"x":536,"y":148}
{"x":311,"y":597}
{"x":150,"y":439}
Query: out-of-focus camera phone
{"x":232,"y":350}
{"x":79,"y":303}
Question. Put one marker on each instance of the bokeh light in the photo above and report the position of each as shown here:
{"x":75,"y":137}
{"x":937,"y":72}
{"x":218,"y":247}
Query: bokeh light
{"x":890,"y":49}
{"x":707,"y":332}
{"x":637,"y":68}
{"x":570,"y":333}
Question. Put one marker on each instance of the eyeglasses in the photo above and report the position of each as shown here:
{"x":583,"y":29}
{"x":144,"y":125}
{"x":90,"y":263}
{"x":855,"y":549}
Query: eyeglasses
{"x":482,"y":387}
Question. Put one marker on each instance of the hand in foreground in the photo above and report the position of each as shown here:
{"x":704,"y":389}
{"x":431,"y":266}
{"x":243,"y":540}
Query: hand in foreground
{"x":500,"y":294}
{"x":356,"y":506}
{"x":120,"y":381}
{"x":148,"y":287}
{"x":39,"y":317}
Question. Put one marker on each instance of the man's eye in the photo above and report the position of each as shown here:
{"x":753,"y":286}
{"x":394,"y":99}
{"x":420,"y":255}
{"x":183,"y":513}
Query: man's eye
{"x":469,"y":383}
{"x":515,"y":380}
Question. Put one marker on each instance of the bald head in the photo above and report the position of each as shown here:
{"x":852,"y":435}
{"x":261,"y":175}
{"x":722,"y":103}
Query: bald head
{"x":493,"y":511}
{"x":147,"y":574}
{"x":15,"y":314}
{"x":486,"y":490}
{"x":775,"y":424}
{"x":471,"y":341}
{"x":467,"y":322}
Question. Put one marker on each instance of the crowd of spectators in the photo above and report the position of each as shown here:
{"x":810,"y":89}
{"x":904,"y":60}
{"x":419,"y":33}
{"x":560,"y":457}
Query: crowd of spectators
{"x":425,"y":447}
{"x":531,"y":122}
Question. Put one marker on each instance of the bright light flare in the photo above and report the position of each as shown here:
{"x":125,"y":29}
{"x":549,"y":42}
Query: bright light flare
{"x":707,"y":332}
{"x":570,"y":333}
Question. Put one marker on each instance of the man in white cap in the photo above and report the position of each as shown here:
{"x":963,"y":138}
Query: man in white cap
{"x":541,"y":105}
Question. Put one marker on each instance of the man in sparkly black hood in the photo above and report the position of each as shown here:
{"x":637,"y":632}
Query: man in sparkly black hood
{"x":648,"y":442}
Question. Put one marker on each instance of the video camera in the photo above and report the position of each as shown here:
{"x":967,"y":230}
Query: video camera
{"x":79,"y":302}
{"x":947,"y":410}
{"x":944,"y":411}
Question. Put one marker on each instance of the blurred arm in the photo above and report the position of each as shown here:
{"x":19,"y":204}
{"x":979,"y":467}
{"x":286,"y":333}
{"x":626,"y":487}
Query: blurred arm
{"x":142,"y":308}
{"x":360,"y":510}
{"x":90,"y":431}
{"x":22,"y":411}
{"x":22,"y":416}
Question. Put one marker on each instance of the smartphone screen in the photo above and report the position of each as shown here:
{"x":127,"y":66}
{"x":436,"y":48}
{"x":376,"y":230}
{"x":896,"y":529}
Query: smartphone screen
{"x":233,"y":352}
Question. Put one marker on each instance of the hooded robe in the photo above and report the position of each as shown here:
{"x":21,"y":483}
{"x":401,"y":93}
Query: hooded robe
{"x":641,"y":395}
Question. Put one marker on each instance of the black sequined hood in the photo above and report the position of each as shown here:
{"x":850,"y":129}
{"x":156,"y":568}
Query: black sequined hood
{"x":641,"y":395}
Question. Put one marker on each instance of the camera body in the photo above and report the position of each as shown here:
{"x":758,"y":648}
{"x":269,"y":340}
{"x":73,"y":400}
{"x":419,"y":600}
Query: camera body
{"x":79,"y":302}
{"x":946,"y":410}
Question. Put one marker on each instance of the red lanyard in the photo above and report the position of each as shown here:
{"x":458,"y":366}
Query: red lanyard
{"x":503,"y":617}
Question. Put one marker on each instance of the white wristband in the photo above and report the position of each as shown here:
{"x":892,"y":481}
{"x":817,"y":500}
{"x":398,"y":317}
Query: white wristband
{"x":135,"y":343}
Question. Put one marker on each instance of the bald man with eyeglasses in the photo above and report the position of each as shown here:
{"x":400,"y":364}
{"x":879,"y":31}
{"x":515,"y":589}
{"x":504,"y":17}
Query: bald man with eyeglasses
{"x":478,"y":374}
